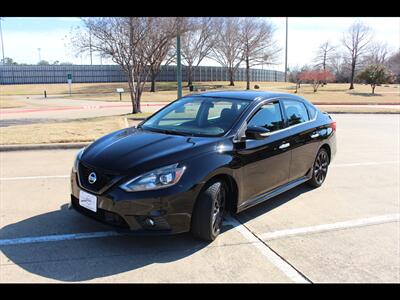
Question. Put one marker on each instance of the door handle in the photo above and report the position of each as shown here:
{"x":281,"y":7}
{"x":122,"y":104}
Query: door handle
{"x":285,"y":145}
{"x":315,"y":135}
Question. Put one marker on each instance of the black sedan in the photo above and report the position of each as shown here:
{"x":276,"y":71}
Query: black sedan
{"x":200,"y":157}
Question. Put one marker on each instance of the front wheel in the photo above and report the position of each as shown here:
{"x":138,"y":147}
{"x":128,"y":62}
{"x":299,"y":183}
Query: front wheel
{"x":208,"y":212}
{"x":320,"y":168}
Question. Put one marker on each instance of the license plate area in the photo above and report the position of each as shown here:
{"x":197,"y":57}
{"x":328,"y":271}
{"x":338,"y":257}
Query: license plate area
{"x":88,"y":201}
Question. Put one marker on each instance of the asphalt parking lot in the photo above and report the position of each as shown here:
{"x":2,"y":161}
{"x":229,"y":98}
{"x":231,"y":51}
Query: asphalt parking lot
{"x":346,"y":231}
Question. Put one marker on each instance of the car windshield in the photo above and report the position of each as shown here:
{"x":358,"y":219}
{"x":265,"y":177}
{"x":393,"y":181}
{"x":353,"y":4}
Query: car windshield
{"x":197,"y":116}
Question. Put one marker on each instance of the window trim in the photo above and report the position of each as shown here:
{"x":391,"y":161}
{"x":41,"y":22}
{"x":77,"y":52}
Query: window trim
{"x":258,"y":108}
{"x":302,"y":103}
{"x":240,"y":131}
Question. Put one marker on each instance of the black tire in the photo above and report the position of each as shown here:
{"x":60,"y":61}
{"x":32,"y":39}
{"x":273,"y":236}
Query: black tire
{"x":209,"y":211}
{"x":320,"y":168}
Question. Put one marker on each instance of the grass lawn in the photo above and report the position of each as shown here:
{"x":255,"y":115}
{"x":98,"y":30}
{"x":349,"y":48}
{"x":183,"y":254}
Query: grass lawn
{"x":6,"y":102}
{"x":83,"y":130}
{"x":166,"y":91}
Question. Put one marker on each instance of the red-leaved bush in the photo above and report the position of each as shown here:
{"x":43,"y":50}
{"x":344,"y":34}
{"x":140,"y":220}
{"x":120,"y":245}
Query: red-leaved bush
{"x":316,"y":77}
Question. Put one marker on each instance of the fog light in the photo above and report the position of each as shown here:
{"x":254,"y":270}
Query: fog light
{"x":150,"y":221}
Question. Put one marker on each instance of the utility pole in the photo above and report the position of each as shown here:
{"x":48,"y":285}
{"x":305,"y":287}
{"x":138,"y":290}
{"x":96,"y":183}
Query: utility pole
{"x":90,"y":46}
{"x":286,"y":49}
{"x":178,"y":65}
{"x":40,"y":59}
{"x":2,"y":43}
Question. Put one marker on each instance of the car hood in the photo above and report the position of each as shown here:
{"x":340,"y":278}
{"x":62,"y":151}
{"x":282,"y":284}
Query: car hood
{"x":130,"y":148}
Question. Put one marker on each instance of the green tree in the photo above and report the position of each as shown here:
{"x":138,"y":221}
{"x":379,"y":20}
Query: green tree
{"x":43,"y":63}
{"x":9,"y":61}
{"x":374,"y":75}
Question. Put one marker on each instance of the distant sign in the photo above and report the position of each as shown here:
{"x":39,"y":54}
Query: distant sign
{"x":69,"y":77}
{"x":120,"y":90}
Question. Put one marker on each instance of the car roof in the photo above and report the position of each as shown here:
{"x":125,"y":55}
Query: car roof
{"x":246,"y":95}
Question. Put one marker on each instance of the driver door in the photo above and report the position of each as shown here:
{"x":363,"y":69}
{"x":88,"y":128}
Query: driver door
{"x":266,"y":162}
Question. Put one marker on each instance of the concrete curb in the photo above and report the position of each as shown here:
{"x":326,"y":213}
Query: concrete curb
{"x":363,"y":113}
{"x":54,"y":146}
{"x":136,"y":119}
{"x":355,"y":103}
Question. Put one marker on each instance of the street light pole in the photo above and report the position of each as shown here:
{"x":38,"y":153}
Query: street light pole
{"x":2,"y":43}
{"x":178,"y":65}
{"x":286,"y":49}
{"x":90,"y":46}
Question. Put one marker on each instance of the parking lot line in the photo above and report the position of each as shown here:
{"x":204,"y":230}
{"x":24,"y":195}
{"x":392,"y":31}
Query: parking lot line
{"x":371,"y":163}
{"x":58,"y":237}
{"x":333,"y":226}
{"x":274,"y":258}
{"x":33,"y":177}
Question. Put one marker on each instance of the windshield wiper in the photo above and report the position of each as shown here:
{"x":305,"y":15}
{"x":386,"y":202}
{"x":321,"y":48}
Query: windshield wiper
{"x":170,"y":131}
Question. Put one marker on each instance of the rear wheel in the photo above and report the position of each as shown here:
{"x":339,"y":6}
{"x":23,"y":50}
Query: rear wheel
{"x":208,"y":212}
{"x":320,"y":168}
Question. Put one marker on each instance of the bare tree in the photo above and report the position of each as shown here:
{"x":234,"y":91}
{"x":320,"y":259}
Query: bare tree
{"x":159,"y":46}
{"x":356,"y":40}
{"x":324,"y":53}
{"x":197,"y":42}
{"x":129,"y":42}
{"x":294,"y":76}
{"x":257,"y":44}
{"x":227,"y":49}
{"x":377,"y":54}
{"x":339,"y":65}
{"x":393,"y":64}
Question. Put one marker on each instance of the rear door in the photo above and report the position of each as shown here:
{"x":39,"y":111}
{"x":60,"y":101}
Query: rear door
{"x":303,"y":138}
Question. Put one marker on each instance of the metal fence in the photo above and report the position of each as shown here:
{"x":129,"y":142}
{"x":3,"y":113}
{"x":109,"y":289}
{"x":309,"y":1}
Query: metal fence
{"x":113,"y":73}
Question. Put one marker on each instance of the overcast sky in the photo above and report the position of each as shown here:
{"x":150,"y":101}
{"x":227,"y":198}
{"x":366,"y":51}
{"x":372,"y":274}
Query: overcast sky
{"x":23,"y":36}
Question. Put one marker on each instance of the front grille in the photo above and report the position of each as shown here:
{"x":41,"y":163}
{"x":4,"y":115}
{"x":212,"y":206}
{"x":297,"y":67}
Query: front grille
{"x":101,"y":214}
{"x":103,"y":179}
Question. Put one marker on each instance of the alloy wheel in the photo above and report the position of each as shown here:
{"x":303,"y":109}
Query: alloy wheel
{"x":218,"y":210}
{"x":321,"y":167}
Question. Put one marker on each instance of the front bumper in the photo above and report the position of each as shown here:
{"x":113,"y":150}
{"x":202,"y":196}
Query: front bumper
{"x":171,"y":213}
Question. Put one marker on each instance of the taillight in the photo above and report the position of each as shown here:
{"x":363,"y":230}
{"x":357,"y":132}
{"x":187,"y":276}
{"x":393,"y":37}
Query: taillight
{"x":333,"y":125}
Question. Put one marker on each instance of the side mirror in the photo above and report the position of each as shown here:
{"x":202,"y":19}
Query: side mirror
{"x":257,"y":133}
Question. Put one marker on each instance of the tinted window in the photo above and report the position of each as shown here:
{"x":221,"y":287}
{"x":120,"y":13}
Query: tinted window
{"x":268,"y":116}
{"x":296,"y":112}
{"x":312,"y":111}
{"x":197,"y":116}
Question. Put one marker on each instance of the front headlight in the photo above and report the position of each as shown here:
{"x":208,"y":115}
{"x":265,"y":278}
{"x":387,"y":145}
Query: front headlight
{"x":77,"y":159}
{"x":156,"y":179}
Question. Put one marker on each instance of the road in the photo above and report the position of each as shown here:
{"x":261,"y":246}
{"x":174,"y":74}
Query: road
{"x":346,"y":231}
